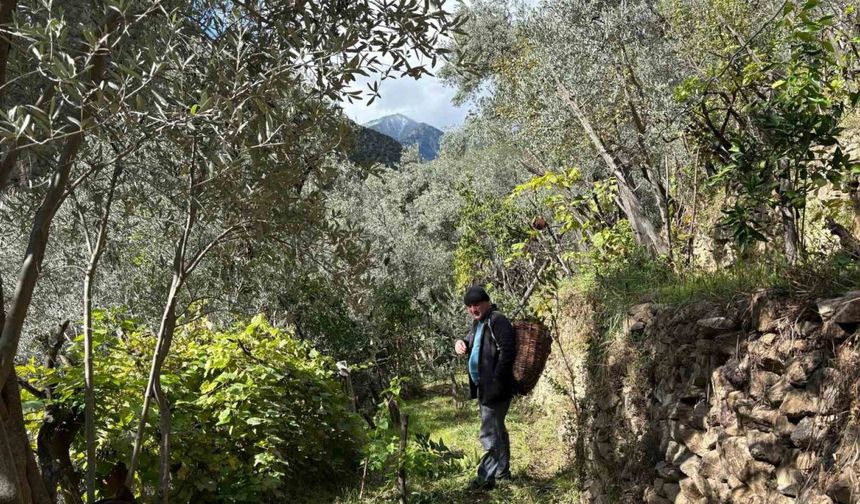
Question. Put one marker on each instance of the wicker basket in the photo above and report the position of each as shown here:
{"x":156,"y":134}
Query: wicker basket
{"x":533,"y":346}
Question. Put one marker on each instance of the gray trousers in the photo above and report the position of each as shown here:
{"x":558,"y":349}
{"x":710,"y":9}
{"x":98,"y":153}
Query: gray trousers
{"x":495,"y":440}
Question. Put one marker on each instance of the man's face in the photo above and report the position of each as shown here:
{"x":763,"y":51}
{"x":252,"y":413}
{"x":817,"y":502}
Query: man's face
{"x":478,"y":310}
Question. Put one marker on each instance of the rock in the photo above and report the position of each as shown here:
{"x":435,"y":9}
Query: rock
{"x":799,"y":403}
{"x":699,"y":416}
{"x":765,"y":446}
{"x":812,"y":430}
{"x":651,"y":497}
{"x":828,"y":308}
{"x":700,"y":442}
{"x":777,"y":392}
{"x":800,"y":368}
{"x":813,"y":496}
{"x":832,"y":331}
{"x":739,"y":462}
{"x":677,"y":454}
{"x":692,"y":468}
{"x":841,"y":489}
{"x":728,"y":344}
{"x":712,"y":466}
{"x":716,"y":325}
{"x":748,"y":495}
{"x":734,"y":482}
{"x":691,"y":465}
{"x":671,"y":491}
{"x":768,"y":338}
{"x":722,"y":491}
{"x":803,"y":436}
{"x":829,"y":385}
{"x":761,"y":382}
{"x":806,"y":461}
{"x":849,"y":311}
{"x":788,"y":480}
{"x":808,"y":328}
{"x":736,"y":372}
{"x":689,"y":493}
{"x":764,"y":311}
{"x":770,"y":420}
{"x":769,"y":357}
{"x":665,"y":438}
{"x":668,"y":472}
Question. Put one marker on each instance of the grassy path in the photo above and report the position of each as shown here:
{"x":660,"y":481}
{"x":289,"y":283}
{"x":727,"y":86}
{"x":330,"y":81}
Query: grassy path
{"x":536,"y":455}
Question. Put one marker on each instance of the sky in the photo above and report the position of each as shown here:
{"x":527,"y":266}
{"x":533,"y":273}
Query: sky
{"x":425,"y":100}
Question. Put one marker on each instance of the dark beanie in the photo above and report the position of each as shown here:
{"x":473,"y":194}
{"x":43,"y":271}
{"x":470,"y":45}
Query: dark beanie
{"x":475,"y":295}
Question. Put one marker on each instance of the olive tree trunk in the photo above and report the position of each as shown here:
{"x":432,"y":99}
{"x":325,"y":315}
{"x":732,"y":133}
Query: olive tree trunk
{"x":20,"y":479}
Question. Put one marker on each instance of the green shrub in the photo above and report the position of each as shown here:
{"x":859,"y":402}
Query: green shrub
{"x":257,"y":415}
{"x":424,"y":458}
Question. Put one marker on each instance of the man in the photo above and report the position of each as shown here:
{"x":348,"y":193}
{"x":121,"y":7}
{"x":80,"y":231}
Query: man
{"x":491,"y":347}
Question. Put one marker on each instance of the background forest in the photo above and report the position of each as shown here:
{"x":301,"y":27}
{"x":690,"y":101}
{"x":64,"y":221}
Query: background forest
{"x":192,"y":234}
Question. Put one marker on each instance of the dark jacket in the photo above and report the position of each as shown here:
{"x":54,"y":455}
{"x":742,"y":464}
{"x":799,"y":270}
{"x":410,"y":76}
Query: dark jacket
{"x":496,"y":362}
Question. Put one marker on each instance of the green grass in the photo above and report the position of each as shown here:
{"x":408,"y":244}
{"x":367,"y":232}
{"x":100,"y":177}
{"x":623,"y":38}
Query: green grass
{"x":537,"y":456}
{"x":619,"y":283}
{"x":610,"y":288}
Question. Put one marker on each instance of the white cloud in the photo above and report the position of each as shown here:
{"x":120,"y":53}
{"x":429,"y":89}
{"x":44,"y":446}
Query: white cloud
{"x":426,"y":100}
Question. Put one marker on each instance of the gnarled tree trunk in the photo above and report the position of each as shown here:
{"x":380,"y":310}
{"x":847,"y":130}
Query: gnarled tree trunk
{"x":20,"y":481}
{"x":788,"y":214}
{"x":30,"y":485}
{"x":628,"y":201}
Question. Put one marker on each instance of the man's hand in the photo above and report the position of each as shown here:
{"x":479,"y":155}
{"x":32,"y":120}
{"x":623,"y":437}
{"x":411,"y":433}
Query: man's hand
{"x":460,"y":347}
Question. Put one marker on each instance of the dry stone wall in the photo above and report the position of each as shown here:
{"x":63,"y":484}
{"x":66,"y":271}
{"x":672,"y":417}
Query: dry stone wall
{"x":751,"y":402}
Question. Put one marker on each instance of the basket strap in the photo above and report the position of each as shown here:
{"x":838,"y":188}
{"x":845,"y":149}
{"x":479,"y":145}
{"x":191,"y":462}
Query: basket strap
{"x":490,"y":327}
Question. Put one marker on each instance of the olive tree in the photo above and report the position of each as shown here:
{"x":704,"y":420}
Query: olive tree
{"x":217,"y":94}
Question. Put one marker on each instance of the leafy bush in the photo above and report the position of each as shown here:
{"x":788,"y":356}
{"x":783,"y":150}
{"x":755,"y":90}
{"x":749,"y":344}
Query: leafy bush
{"x":257,"y":415}
{"x":423,"y":458}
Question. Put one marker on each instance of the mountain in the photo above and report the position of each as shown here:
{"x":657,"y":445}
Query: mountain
{"x":368,"y":147}
{"x":409,"y":132}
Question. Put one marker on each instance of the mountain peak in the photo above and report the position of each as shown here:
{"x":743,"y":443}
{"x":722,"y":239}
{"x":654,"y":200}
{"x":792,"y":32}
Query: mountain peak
{"x":408,"y":131}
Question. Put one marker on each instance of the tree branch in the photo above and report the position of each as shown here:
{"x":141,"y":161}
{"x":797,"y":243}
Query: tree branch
{"x":7,"y":163}
{"x":29,"y":387}
{"x":225,"y":235}
{"x":89,"y":392}
{"x":7,"y":8}
{"x":55,"y":347}
{"x":38,"y":241}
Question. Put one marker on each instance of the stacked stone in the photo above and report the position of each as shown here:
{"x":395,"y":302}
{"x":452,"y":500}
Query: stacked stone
{"x":749,"y":404}
{"x":766,"y":430}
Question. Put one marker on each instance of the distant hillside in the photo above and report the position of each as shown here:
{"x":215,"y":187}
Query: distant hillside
{"x":369,"y":147}
{"x":409,"y":132}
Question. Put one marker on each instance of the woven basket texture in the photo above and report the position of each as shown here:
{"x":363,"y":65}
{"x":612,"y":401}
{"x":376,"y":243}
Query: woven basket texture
{"x":533,"y":346}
